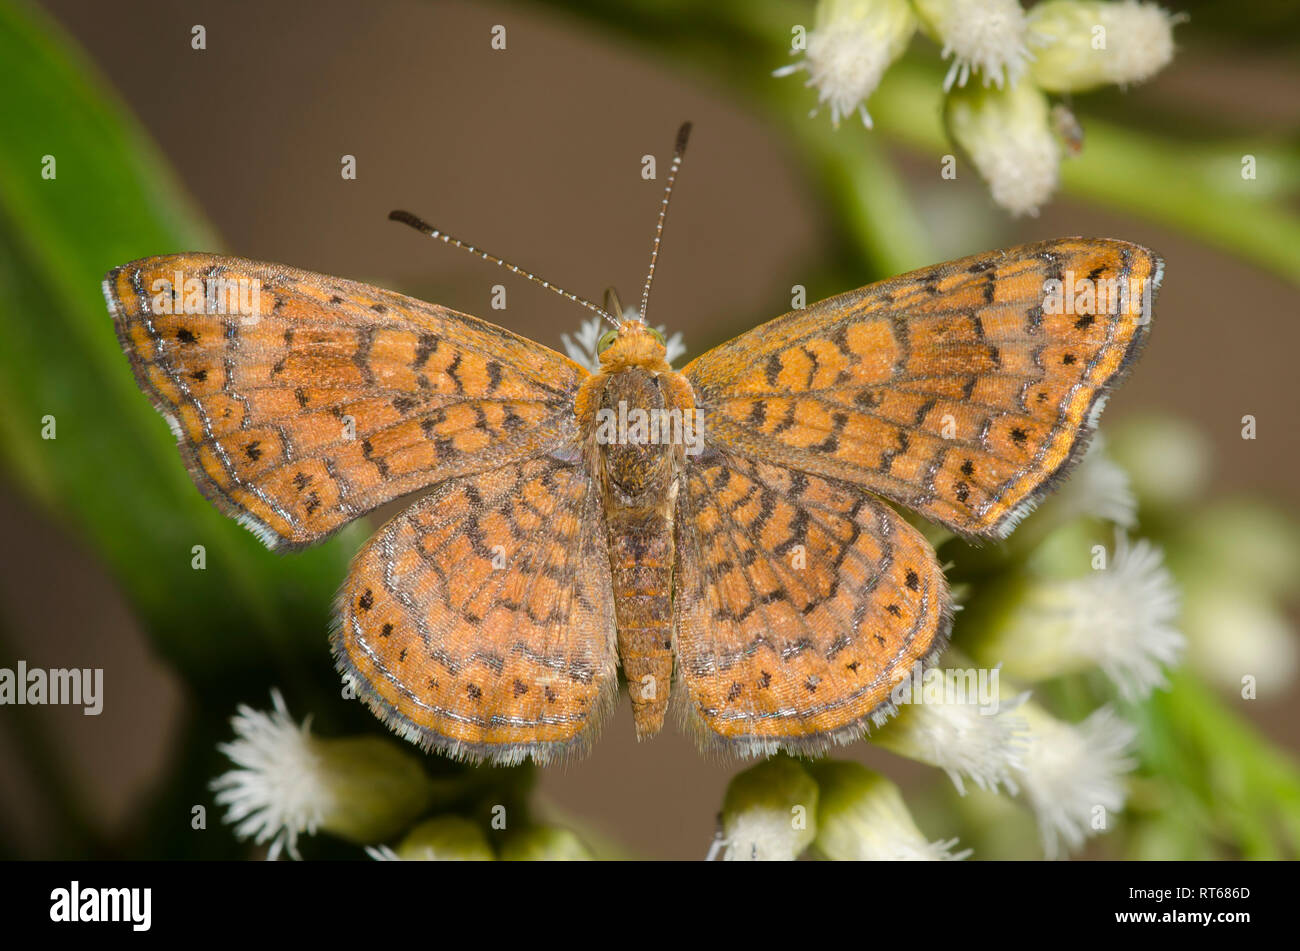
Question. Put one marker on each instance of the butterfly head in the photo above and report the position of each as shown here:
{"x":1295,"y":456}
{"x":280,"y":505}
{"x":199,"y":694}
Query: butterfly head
{"x":632,"y":343}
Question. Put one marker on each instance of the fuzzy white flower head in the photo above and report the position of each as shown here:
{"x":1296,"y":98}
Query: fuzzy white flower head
{"x":288,"y":782}
{"x":984,"y":36}
{"x":273,"y":796}
{"x":851,"y":45}
{"x":581,"y":347}
{"x":1132,"y":636}
{"x":1083,"y":44}
{"x":862,"y":817}
{"x":965,"y":740}
{"x":1119,"y":617}
{"x":1073,"y":775}
{"x":1008,"y":135}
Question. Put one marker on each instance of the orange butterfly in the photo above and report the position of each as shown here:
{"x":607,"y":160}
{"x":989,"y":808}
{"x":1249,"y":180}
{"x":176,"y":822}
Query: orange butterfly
{"x":746,"y":549}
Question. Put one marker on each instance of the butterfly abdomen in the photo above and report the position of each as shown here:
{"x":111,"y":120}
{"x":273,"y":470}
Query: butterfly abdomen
{"x":639,"y":465}
{"x":641,"y":565}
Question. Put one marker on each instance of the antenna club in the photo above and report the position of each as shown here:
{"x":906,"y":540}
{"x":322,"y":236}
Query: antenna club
{"x":683,"y":133}
{"x":406,"y":218}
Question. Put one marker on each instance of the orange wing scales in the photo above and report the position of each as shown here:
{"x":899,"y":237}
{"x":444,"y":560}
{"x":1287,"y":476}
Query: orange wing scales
{"x":948,"y":390}
{"x":480,"y":622}
{"x":800,"y":602}
{"x":334,"y":397}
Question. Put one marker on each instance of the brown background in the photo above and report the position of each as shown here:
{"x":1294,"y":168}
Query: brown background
{"x":534,"y":153}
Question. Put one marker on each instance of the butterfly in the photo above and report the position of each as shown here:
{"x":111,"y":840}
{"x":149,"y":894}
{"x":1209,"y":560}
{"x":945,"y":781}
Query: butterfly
{"x":721,"y":532}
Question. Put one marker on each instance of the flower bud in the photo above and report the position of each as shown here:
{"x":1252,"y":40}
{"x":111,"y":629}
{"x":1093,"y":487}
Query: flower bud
{"x":444,"y":839}
{"x":983,"y":36}
{"x":1082,"y":44}
{"x":851,"y":45}
{"x":544,"y":844}
{"x":363,"y":789}
{"x":862,"y":816}
{"x":769,"y":812}
{"x":1008,"y":137}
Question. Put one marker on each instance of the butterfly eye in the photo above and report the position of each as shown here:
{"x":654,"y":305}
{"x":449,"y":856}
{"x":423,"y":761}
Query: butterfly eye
{"x":657,"y":335}
{"x":605,"y":340}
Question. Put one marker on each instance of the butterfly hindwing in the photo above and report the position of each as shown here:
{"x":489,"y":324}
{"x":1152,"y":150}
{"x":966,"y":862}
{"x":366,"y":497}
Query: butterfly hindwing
{"x":312,"y":399}
{"x":799,"y":602}
{"x":961,"y":391}
{"x":480,"y":621}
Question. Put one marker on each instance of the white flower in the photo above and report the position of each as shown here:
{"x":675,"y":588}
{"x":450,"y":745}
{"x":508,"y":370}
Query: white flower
{"x":581,"y":347}
{"x":985,"y":36}
{"x":1008,"y":135}
{"x":1119,"y":618}
{"x":851,"y":45}
{"x":674,"y":347}
{"x":1073,"y":775}
{"x":288,"y":782}
{"x":769,"y":812}
{"x":1128,"y":630}
{"x":862,"y":817}
{"x":1082,"y":44}
{"x":962,"y":739}
{"x":274,"y":795}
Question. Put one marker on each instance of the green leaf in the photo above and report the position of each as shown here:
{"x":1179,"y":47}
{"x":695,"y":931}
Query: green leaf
{"x":112,"y":474}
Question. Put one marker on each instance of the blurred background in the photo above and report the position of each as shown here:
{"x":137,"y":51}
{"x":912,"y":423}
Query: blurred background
{"x":535,"y":153}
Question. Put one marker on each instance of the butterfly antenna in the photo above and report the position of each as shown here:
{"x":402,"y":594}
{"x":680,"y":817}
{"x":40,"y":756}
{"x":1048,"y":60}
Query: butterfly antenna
{"x":419,"y":224}
{"x":679,"y":150}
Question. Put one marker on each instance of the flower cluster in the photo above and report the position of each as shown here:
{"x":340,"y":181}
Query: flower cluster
{"x":365,"y":790}
{"x":1005,"y":122}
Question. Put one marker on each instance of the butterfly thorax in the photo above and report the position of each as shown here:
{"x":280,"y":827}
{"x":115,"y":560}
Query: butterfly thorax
{"x":631,"y":416}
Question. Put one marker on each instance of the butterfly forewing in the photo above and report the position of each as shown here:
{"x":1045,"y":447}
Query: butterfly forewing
{"x":312,"y":399}
{"x":961,"y":391}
